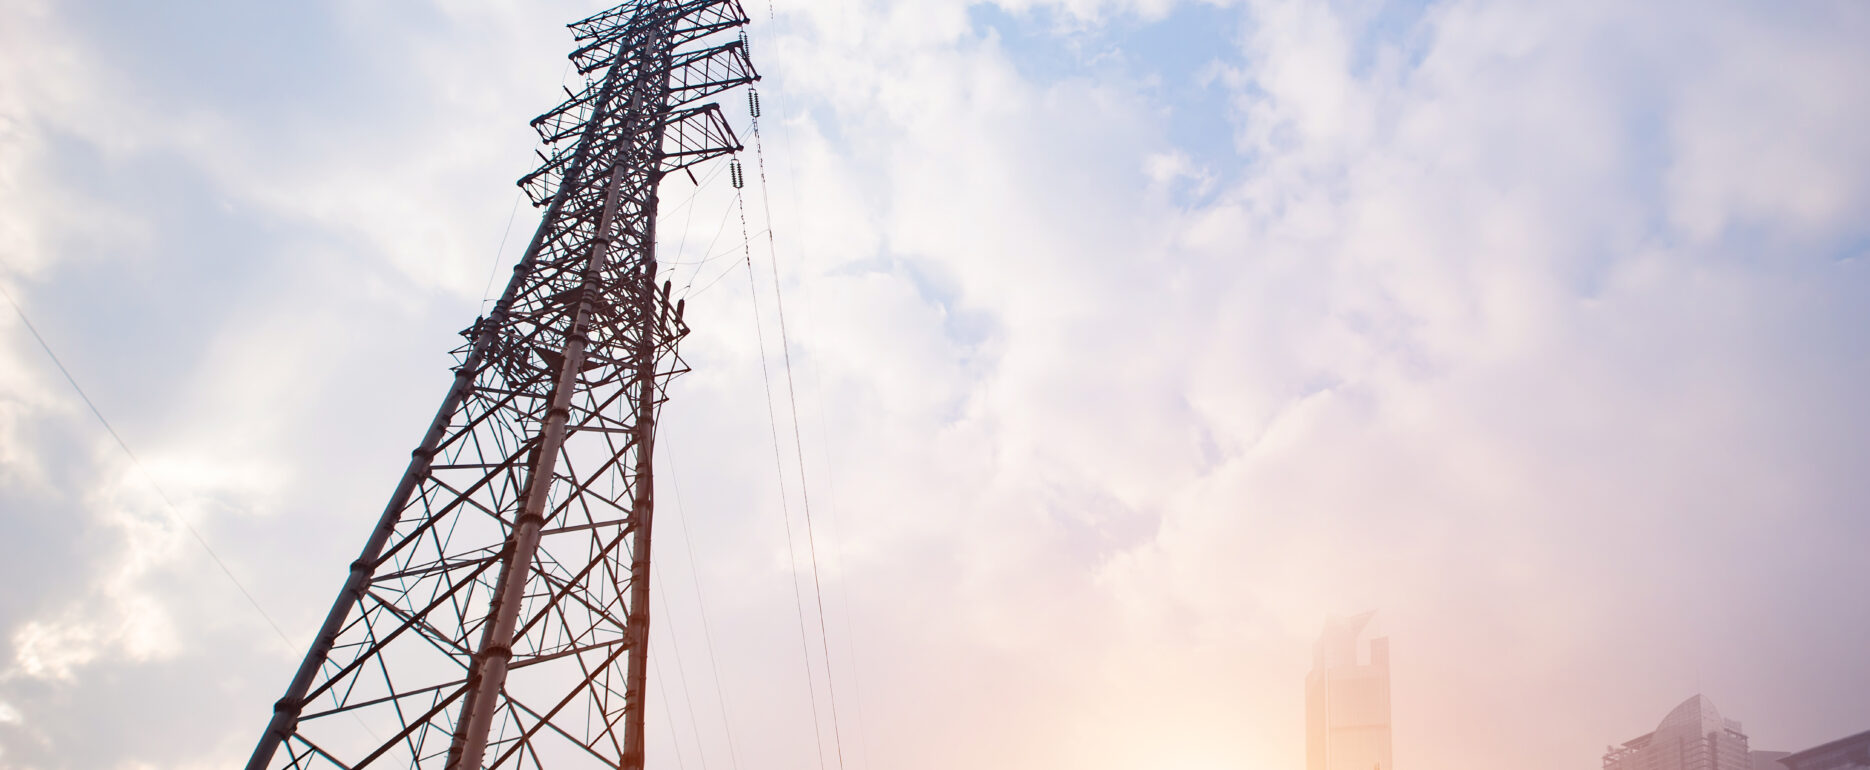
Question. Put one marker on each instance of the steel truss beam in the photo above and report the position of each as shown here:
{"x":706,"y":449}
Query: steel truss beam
{"x":498,"y":615}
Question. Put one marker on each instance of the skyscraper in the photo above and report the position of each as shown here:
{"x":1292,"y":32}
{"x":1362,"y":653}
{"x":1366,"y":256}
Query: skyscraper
{"x":1347,"y":703}
{"x":1693,"y":736}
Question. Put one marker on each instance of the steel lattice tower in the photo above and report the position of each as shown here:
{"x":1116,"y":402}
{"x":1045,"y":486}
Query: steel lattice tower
{"x":499,"y":613}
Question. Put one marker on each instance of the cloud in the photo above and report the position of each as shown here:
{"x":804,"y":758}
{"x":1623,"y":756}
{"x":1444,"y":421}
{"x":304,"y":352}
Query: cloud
{"x":1442,"y":345}
{"x":1534,"y":326}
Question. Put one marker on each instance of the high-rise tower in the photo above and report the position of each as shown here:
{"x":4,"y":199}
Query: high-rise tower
{"x":1347,"y":702}
{"x":499,"y":614}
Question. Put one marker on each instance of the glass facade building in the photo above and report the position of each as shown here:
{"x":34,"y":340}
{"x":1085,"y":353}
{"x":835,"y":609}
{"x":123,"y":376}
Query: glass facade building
{"x":1693,"y":736}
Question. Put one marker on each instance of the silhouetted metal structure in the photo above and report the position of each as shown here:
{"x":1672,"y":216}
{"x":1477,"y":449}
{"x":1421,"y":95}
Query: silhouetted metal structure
{"x":499,"y":613}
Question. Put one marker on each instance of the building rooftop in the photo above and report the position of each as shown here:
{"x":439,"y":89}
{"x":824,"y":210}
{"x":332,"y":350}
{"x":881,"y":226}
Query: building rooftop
{"x":1860,"y":741}
{"x":1699,"y":715}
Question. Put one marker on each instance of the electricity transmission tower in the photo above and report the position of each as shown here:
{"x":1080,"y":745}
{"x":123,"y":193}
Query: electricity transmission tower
{"x":499,"y":613}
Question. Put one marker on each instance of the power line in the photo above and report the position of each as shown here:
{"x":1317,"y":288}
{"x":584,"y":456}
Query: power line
{"x":726,"y":216}
{"x":681,"y":672}
{"x":675,"y":741}
{"x":785,"y":134}
{"x":494,"y":269}
{"x":707,"y":633}
{"x":680,"y":516}
{"x":689,"y":221}
{"x":805,"y":494}
{"x":486,"y":294}
{"x":174,"y":512}
{"x":766,"y":381}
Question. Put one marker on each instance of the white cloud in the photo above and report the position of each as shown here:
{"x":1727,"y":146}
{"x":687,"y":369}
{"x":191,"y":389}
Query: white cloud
{"x":1436,"y":348}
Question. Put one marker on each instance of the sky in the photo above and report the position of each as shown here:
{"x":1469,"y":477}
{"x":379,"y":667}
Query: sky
{"x":1132,"y":340}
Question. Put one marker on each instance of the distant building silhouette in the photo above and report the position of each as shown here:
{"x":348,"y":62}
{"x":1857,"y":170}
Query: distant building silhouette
{"x":1693,"y":736}
{"x":1851,"y":753}
{"x":1347,"y":703}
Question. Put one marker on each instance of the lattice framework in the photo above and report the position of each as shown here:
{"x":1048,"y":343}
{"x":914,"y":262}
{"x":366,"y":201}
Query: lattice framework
{"x":498,"y":616}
